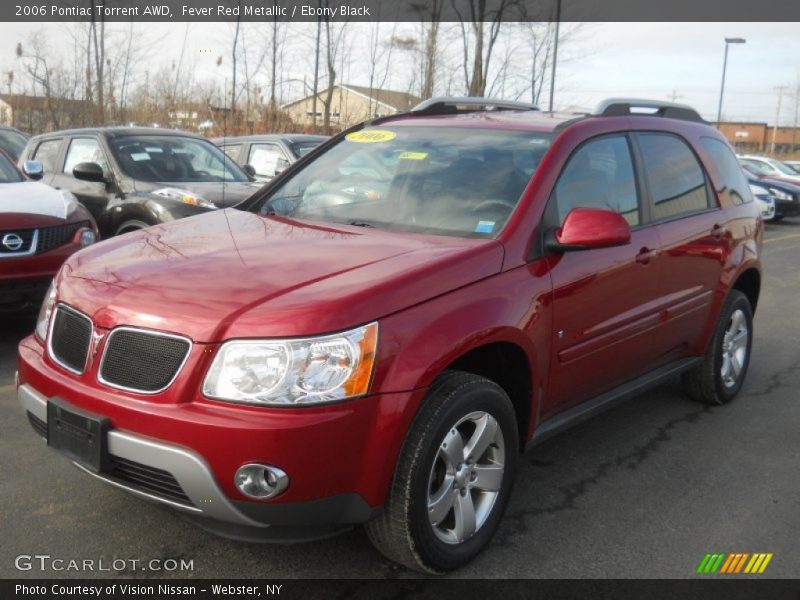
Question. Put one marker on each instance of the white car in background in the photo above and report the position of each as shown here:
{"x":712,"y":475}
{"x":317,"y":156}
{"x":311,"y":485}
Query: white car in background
{"x":765,"y":200}
{"x":765,"y":166}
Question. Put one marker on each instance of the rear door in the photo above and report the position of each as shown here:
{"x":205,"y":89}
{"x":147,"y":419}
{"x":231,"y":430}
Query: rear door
{"x":604,"y":303}
{"x":693,"y":234}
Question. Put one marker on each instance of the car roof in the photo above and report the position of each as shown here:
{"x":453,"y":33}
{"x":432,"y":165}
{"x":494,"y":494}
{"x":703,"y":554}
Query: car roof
{"x":270,"y":137}
{"x":119,"y":131}
{"x":525,"y":120}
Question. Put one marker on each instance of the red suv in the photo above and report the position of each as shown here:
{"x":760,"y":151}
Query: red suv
{"x":375,"y":336}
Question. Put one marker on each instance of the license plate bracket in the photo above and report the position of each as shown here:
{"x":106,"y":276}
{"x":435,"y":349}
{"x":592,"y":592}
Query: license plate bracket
{"x":78,"y":434}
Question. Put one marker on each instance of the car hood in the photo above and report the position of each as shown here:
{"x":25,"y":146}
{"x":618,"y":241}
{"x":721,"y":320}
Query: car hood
{"x":28,"y":204}
{"x":221,"y":194}
{"x":229,"y":274}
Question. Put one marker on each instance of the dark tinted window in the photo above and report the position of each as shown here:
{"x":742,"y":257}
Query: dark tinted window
{"x":599,"y":175}
{"x":677,"y":181}
{"x":47,"y":154}
{"x":729,"y":169}
{"x":8,"y":174}
{"x":302,"y":148}
{"x":12,"y":142}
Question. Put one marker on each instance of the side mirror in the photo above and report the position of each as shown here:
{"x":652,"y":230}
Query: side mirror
{"x":251,"y":172}
{"x":587,"y":228}
{"x":89,"y":171}
{"x":280,"y":165}
{"x":33,"y":169}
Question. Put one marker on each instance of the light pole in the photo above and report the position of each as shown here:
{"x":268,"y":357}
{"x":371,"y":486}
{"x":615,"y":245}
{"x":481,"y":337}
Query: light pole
{"x":728,"y":41}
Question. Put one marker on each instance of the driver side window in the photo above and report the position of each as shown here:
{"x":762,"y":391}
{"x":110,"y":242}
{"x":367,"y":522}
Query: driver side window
{"x":600,"y":175}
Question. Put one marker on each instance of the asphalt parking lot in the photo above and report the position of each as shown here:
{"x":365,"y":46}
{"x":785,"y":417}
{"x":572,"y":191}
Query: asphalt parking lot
{"x":644,"y":490}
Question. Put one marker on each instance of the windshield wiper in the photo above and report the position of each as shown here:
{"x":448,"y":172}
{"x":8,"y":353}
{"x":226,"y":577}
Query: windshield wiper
{"x":360,"y":224}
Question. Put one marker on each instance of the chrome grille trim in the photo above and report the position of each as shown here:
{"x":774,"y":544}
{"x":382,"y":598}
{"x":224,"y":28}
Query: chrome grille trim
{"x":107,"y":344}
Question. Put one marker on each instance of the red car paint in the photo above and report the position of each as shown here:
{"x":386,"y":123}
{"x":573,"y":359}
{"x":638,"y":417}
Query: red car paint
{"x":584,"y":322}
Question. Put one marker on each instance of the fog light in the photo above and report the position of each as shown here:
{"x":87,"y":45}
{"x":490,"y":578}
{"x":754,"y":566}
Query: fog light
{"x":260,"y":481}
{"x":87,"y":238}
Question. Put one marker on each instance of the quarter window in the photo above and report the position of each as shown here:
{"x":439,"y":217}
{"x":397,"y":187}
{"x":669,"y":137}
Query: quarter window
{"x":729,"y":169}
{"x":677,"y":182}
{"x":232,"y":150}
{"x":47,"y":154}
{"x":600,"y":175}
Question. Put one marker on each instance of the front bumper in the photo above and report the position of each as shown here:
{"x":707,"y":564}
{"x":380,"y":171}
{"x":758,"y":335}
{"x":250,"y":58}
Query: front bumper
{"x":340,"y":459}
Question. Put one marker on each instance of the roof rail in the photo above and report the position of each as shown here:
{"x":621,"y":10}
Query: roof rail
{"x":617,"y":107}
{"x":450,"y":104}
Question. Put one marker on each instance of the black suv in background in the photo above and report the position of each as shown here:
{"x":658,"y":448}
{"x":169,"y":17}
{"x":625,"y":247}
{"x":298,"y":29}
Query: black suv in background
{"x":131,"y":178}
{"x":265,"y":156}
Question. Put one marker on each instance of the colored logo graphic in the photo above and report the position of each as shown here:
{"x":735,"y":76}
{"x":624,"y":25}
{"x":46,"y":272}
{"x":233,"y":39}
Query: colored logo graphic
{"x":734,"y":563}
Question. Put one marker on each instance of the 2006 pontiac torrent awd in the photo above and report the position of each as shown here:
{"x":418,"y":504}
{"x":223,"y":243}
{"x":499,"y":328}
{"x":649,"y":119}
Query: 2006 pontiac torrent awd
{"x":376,"y":335}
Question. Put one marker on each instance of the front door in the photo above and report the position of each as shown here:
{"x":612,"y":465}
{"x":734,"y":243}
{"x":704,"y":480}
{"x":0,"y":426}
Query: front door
{"x":605,"y":301}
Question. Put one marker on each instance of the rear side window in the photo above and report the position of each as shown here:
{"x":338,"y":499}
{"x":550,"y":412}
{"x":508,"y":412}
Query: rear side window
{"x":677,"y":182}
{"x":47,"y":154}
{"x":599,"y":175}
{"x":729,"y":169}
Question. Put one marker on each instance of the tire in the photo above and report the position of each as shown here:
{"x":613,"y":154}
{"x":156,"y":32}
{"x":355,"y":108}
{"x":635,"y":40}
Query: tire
{"x":457,"y":406}
{"x":716,"y":380}
{"x":129,"y":226}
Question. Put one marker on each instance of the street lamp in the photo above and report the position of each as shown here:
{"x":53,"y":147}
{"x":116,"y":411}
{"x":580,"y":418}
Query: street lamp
{"x":728,"y":41}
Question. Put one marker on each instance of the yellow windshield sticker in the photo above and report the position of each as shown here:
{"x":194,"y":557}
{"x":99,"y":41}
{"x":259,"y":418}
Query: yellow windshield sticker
{"x":368,"y":136}
{"x":413,"y":156}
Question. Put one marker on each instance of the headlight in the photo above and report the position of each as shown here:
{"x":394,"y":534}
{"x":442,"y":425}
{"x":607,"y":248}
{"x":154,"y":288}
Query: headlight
{"x":780,"y":194}
{"x":44,"y":313}
{"x":87,"y":238}
{"x":294,"y":372}
{"x":184,"y":196}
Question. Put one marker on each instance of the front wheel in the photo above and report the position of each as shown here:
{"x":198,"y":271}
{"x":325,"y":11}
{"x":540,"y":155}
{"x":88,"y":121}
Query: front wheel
{"x":720,"y":376}
{"x":453,"y":478}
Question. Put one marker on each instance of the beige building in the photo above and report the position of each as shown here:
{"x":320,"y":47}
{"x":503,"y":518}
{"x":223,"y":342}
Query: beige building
{"x":350,"y":105}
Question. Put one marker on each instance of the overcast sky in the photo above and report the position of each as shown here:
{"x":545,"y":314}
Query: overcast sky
{"x":650,"y":60}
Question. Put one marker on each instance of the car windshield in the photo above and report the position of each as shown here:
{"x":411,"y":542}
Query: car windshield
{"x":443,"y":180}
{"x":785,"y":169}
{"x":300,"y":149}
{"x":8,"y":173}
{"x":757,"y":167}
{"x":12,"y":142}
{"x":157,"y":158}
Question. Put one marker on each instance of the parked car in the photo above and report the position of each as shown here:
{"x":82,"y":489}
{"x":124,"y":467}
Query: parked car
{"x":785,"y":194}
{"x":131,"y":178}
{"x":309,"y":362}
{"x":267,"y":155}
{"x":765,"y":200}
{"x":39,"y":228}
{"x":12,"y":141}
{"x":794,"y":165}
{"x":770,"y":167}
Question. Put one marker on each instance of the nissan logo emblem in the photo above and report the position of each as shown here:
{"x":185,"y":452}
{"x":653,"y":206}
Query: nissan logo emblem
{"x":12,"y":241}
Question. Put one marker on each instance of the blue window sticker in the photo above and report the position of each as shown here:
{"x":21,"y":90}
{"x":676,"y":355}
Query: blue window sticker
{"x":484,"y":227}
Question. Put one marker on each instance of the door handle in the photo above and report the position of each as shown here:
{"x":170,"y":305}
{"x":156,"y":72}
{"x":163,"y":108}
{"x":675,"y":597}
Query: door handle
{"x":718,"y":232}
{"x":644,"y":256}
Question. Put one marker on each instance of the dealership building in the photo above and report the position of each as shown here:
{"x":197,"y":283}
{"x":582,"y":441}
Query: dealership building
{"x":759,"y":137}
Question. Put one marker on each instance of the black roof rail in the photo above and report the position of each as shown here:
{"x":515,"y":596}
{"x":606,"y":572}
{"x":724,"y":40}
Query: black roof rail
{"x":619,"y":107}
{"x":443,"y":105}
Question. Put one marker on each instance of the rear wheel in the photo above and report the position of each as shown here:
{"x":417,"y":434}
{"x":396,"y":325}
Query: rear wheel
{"x":453,"y":478}
{"x":720,"y":376}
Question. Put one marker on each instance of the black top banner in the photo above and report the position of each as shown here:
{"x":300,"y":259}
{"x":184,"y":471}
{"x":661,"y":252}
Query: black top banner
{"x":401,"y":10}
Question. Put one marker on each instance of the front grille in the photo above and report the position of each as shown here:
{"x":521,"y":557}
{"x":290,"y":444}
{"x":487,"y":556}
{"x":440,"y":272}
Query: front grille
{"x":142,"y":361}
{"x":38,"y":425}
{"x":9,"y":239}
{"x":147,"y":479}
{"x":55,"y":237}
{"x":69,"y":338}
